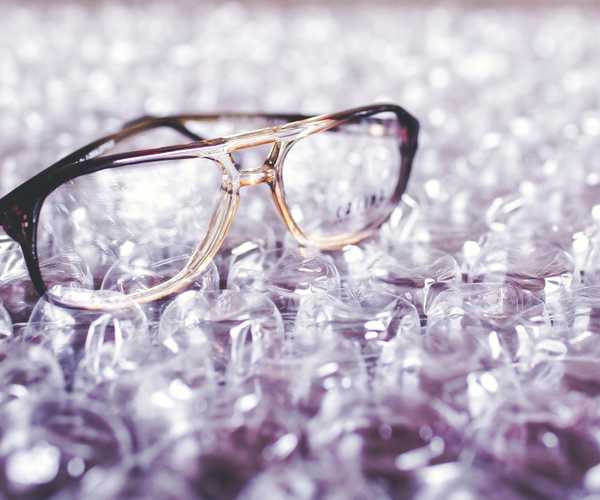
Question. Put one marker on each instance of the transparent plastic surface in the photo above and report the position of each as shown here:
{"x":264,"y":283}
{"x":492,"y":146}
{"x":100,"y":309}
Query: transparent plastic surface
{"x":509,"y":319}
{"x":234,"y":329}
{"x":101,"y":343}
{"x":298,"y":374}
{"x":534,"y":438}
{"x":284,"y":275}
{"x":247,"y":234}
{"x":28,"y":371}
{"x":543,"y":214}
{"x":395,"y":438}
{"x":312,"y":480}
{"x":541,"y":267}
{"x":132,"y":482}
{"x":566,"y":355}
{"x":458,"y":480}
{"x":454,"y":362}
{"x":143,"y":268}
{"x":414,"y":271}
{"x":173,"y":394}
{"x":51,"y":450}
{"x":369,"y":319}
{"x":17,"y":291}
{"x":218,"y":459}
{"x":6,"y":326}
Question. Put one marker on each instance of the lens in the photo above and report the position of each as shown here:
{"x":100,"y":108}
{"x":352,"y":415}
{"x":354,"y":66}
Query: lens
{"x":345,"y":180}
{"x":90,"y":222}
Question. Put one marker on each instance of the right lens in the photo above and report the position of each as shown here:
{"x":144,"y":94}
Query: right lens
{"x":345,"y":180}
{"x":104,"y":216}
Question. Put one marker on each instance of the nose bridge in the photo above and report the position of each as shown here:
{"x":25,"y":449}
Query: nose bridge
{"x":257,"y":176}
{"x":264,"y":172}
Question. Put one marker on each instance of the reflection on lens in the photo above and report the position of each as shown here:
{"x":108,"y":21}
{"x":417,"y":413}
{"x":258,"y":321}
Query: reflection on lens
{"x":345,"y":180}
{"x":99,"y":218}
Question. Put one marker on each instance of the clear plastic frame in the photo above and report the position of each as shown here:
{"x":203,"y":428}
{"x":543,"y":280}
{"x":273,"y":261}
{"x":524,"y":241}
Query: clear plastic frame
{"x":368,"y":149}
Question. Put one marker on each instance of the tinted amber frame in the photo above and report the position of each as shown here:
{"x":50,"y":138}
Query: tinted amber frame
{"x":20,"y":209}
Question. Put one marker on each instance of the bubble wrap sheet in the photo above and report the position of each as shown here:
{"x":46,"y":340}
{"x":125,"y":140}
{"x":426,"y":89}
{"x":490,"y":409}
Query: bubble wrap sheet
{"x":452,"y":357}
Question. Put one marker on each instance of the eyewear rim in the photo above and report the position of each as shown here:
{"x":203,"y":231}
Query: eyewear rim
{"x":20,"y":209}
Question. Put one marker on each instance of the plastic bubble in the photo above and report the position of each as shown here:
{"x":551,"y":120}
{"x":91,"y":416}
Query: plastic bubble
{"x":168,"y":398}
{"x":28,"y":371}
{"x":397,"y":437}
{"x":223,"y":454}
{"x":299,"y":374}
{"x":285,"y":276}
{"x":50,"y":450}
{"x":134,"y":483}
{"x":105,"y":342}
{"x":540,"y":443}
{"x":447,"y":480}
{"x":505,"y":317}
{"x":16,"y":290}
{"x":141,"y":269}
{"x":414,"y":271}
{"x":540,"y":267}
{"x":368,"y":318}
{"x":309,"y":480}
{"x":234,"y":328}
{"x":245,"y":236}
{"x":6,"y":326}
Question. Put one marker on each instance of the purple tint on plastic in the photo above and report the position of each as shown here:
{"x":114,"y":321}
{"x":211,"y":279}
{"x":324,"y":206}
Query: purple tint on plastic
{"x":537,"y":266}
{"x":458,"y":480}
{"x":234,"y":329}
{"x":398,"y":437}
{"x":285,"y":275}
{"x":56,"y":447}
{"x":366,"y":318}
{"x":105,"y":342}
{"x":569,"y":350}
{"x":6,"y":326}
{"x":299,"y":374}
{"x":28,"y":371}
{"x":134,"y":483}
{"x":459,"y":366}
{"x":245,"y":236}
{"x":545,"y":443}
{"x":413,"y":271}
{"x":223,"y":455}
{"x":507,"y":317}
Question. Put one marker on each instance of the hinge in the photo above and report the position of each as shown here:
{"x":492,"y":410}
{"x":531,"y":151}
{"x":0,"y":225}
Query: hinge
{"x":17,"y":223}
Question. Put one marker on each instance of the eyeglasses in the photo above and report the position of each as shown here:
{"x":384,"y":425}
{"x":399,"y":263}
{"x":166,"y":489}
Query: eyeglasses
{"x":334,"y":178}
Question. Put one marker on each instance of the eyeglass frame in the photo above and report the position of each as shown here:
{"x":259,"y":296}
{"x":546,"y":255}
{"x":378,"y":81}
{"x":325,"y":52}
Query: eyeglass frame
{"x":20,"y":209}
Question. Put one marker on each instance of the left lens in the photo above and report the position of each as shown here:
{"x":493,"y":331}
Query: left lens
{"x":342,"y":182}
{"x":109,"y":215}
